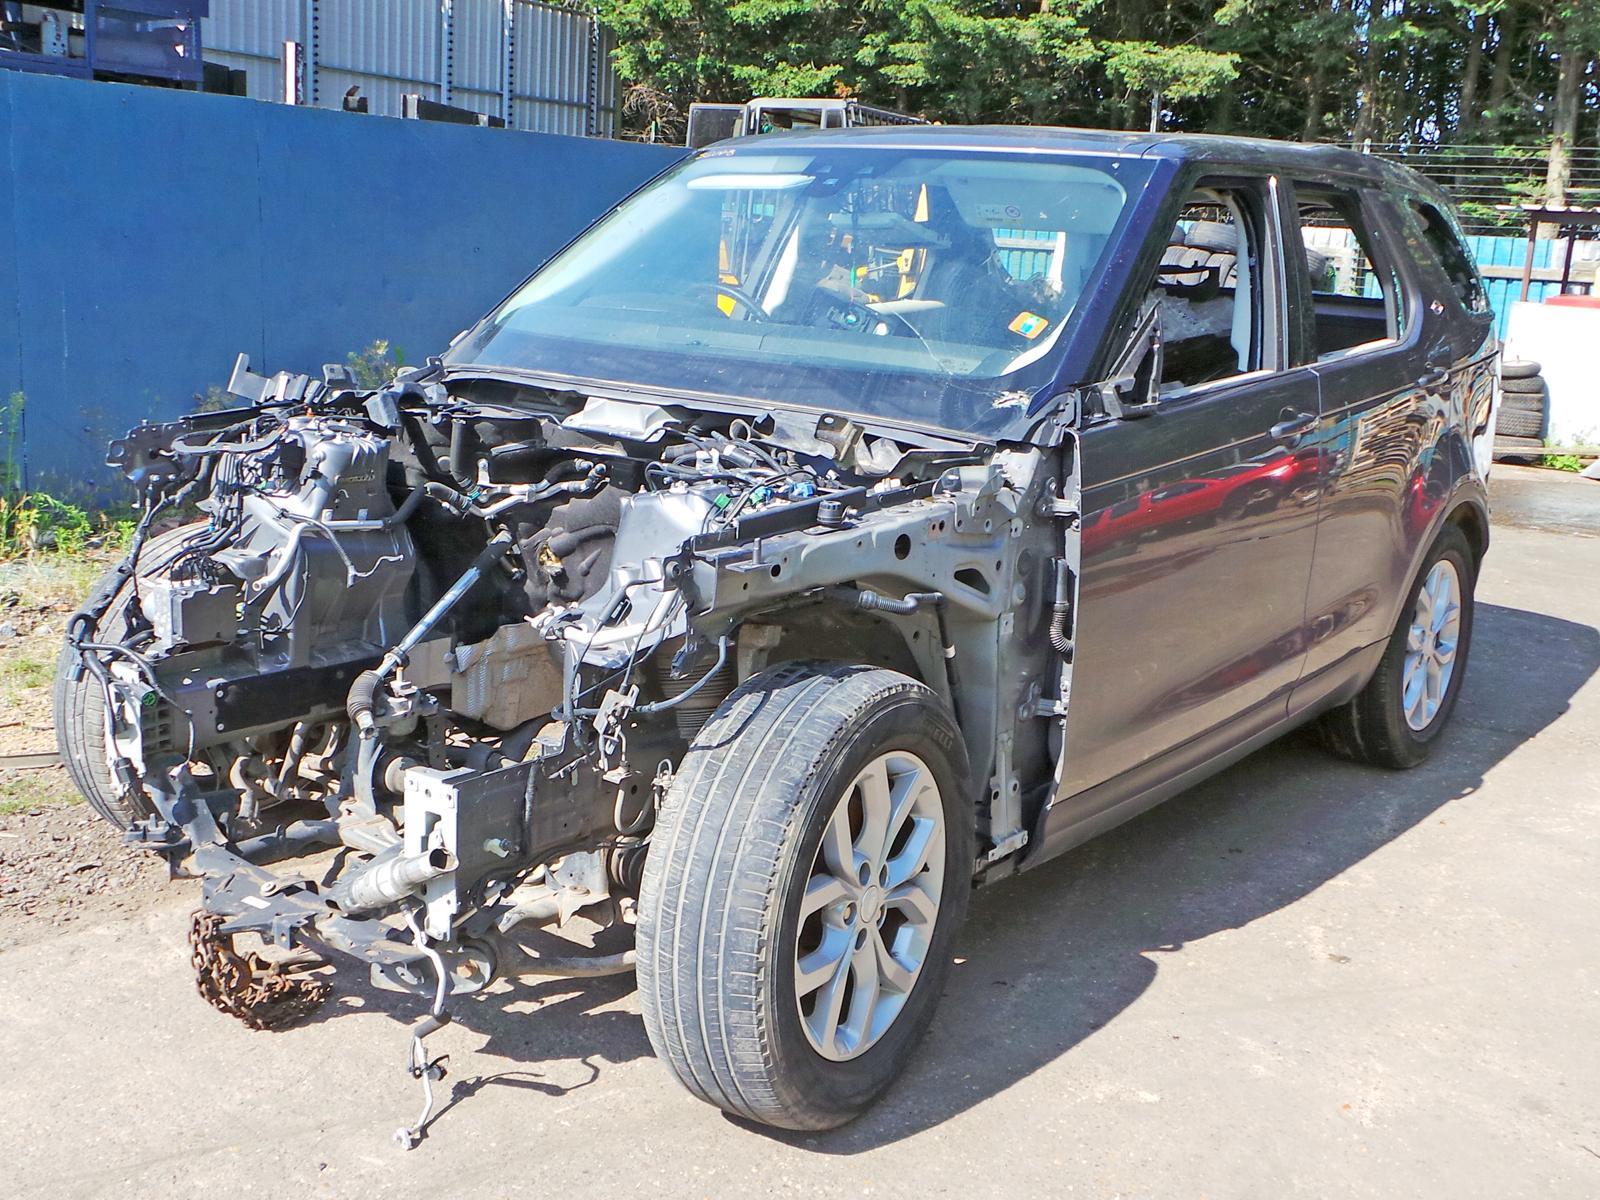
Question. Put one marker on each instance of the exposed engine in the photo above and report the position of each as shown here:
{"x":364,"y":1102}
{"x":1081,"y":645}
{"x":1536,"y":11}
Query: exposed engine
{"x":458,"y":640}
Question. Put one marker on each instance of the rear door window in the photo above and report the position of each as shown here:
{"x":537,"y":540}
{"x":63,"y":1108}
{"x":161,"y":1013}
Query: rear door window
{"x":1359,"y":304}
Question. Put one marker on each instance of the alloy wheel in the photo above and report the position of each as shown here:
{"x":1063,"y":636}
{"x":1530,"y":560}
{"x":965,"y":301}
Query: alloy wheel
{"x":1431,"y":645}
{"x":870,"y":905}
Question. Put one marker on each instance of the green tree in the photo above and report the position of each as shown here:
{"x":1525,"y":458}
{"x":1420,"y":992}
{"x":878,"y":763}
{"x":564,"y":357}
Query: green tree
{"x":1420,"y":73}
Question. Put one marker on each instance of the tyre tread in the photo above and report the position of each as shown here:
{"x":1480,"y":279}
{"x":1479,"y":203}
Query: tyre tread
{"x":712,"y":884}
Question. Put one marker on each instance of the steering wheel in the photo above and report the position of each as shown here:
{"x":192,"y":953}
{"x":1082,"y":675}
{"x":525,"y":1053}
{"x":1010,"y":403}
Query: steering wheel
{"x":860,"y":317}
{"x":739,"y":296}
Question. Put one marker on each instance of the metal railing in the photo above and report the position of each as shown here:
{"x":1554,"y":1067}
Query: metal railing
{"x":1486,"y":181}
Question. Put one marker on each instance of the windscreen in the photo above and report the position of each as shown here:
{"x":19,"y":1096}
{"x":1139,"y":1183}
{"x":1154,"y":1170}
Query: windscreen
{"x":921,"y":288}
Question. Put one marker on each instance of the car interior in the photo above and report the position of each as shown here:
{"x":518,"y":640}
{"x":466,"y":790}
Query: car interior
{"x":1209,"y":299}
{"x":1206,"y":290}
{"x":1355,"y":304}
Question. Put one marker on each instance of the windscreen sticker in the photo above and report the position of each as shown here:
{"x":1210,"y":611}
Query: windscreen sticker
{"x":1029,"y":324}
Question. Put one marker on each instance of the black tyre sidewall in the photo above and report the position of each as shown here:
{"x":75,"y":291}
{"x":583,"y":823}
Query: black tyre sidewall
{"x":1412,"y":746}
{"x":1531,"y":386}
{"x":79,"y":704}
{"x":837,"y":1091}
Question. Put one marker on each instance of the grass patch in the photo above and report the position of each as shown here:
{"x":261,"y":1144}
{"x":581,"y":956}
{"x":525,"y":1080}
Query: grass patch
{"x":46,"y":580}
{"x":1563,"y":462}
{"x":22,"y":671}
{"x":23,"y":791}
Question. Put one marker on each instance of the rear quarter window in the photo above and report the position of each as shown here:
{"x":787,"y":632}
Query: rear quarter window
{"x":1443,"y":239}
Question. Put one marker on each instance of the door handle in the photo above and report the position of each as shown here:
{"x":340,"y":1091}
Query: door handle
{"x":1433,"y":377}
{"x":1293,"y":426}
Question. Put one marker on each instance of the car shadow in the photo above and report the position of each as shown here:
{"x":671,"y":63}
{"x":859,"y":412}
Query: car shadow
{"x":1090,"y":929}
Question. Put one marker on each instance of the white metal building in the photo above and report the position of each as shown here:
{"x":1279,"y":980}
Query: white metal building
{"x":542,"y":67}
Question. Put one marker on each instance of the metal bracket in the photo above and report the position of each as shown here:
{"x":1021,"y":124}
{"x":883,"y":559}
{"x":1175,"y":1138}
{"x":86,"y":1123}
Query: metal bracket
{"x":1005,"y":847}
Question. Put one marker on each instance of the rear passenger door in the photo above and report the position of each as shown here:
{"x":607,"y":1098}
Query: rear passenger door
{"x":1381,"y":362}
{"x":1199,"y":519}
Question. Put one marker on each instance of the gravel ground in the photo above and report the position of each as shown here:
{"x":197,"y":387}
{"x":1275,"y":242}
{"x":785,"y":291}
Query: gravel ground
{"x":59,"y":863}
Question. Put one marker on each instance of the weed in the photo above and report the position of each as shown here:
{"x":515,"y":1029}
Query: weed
{"x":31,"y":522}
{"x":22,"y":672}
{"x":22,"y":791}
{"x":11,"y":444}
{"x":1563,"y":462}
{"x":376,"y":365}
{"x":213,"y":399}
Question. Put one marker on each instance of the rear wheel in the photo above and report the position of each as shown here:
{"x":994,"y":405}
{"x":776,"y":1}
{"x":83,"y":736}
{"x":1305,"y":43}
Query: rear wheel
{"x":807,"y":875}
{"x":1398,"y":717}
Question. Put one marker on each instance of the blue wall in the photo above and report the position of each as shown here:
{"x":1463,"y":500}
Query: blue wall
{"x":147,"y":236}
{"x":1511,"y":252}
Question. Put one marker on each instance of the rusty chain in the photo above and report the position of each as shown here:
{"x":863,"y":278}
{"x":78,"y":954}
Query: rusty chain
{"x":261,"y":994}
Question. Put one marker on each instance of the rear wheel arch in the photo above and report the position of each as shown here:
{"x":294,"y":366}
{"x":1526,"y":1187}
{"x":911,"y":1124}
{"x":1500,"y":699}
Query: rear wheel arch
{"x":1372,"y":727}
{"x":1473,"y":522}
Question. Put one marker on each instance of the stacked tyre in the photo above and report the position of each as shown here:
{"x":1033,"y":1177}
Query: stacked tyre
{"x":1520,"y":427}
{"x":1216,"y":244}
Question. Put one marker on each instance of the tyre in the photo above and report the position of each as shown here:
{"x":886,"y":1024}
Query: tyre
{"x":1533,"y":385}
{"x":79,"y":702}
{"x":807,"y":875}
{"x":1215,"y":236}
{"x":1515,"y":369}
{"x":1515,"y":421}
{"x":1399,"y":715}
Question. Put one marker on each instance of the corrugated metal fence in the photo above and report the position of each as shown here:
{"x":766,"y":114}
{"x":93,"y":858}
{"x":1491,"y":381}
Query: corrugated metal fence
{"x":539,"y":67}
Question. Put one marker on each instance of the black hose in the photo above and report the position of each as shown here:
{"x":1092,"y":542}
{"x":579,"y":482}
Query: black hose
{"x":448,"y":496}
{"x":361,"y":700}
{"x":179,"y":446}
{"x":865,"y":601}
{"x":663,"y":705}
{"x":1061,"y":610}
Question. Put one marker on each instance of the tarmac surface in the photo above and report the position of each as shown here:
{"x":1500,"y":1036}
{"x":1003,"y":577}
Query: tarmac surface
{"x":1301,"y":978}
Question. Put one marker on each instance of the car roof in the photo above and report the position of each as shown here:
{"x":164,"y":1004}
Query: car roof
{"x":1307,"y":157}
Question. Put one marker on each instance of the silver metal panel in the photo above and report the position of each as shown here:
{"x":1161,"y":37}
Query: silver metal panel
{"x":249,"y":35}
{"x":452,"y":51}
{"x":385,"y":47}
{"x":480,"y":29}
{"x":552,"y":57}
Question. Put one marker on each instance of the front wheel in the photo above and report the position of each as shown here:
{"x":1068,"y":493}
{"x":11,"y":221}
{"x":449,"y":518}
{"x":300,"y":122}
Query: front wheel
{"x":80,"y":701}
{"x":807,"y":875}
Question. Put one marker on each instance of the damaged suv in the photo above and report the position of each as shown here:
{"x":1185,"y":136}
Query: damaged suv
{"x":844,"y":520}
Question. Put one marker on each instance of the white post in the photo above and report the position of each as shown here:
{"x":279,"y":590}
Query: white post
{"x":291,"y":72}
